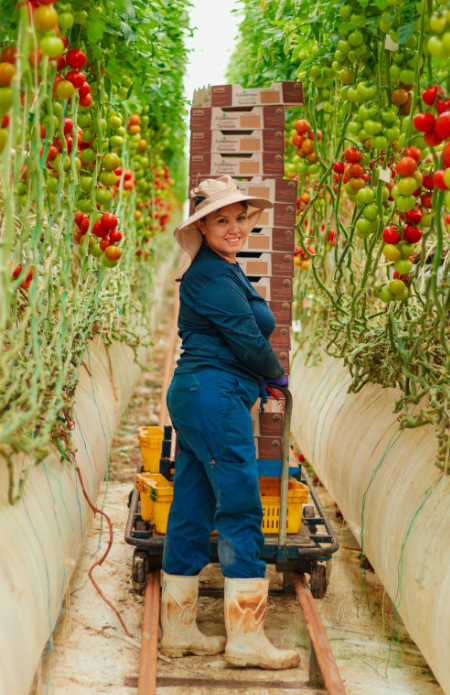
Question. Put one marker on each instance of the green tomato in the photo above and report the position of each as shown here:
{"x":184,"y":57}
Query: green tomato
{"x":363,"y":228}
{"x":65,"y":20}
{"x":86,"y":184}
{"x":115,"y":122}
{"x":353,"y":95}
{"x":103,"y":125}
{"x":405,"y":202}
{"x":406,"y":249}
{"x":346,"y":76}
{"x":379,"y":142}
{"x":80,"y":17}
{"x":103,"y":196}
{"x":116,"y":141}
{"x":96,"y":251}
{"x":121,"y":132}
{"x":392,"y":133}
{"x":391,"y":252}
{"x":84,"y":205}
{"x":402,"y":266}
{"x":88,"y":135}
{"x":385,"y":194}
{"x":345,"y":11}
{"x":407,"y":185}
{"x":107,"y":263}
{"x":111,"y":161}
{"x":385,"y":295}
{"x":122,"y":92}
{"x":426,"y":220}
{"x":407,"y":76}
{"x":385,"y":25}
{"x":6,"y":99}
{"x":372,"y":127}
{"x":401,"y":297}
{"x":365,"y":196}
{"x":108,"y":178}
{"x":88,"y":156}
{"x":359,"y":20}
{"x":355,"y":38}
{"x":51,"y":46}
{"x":84,"y":119}
{"x":397,"y":286}
{"x":370,"y":212}
{"x":344,"y":47}
{"x":363,"y":112}
{"x":388,"y":116}
{"x":52,"y":184}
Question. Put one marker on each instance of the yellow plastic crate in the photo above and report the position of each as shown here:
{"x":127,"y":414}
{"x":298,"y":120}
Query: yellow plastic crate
{"x":157,"y":494}
{"x":156,"y":497}
{"x":151,"y":439}
{"x":270,"y":489}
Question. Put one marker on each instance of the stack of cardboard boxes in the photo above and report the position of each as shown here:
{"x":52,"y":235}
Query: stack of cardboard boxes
{"x":241,"y":132}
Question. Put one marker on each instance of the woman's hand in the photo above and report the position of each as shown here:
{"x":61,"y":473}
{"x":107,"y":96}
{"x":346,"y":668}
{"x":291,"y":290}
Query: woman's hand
{"x":281,"y":381}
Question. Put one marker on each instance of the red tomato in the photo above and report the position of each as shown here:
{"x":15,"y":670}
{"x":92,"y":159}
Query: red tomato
{"x":442,"y":127}
{"x":428,"y":182}
{"x":438,"y":180}
{"x":84,"y":90}
{"x":429,"y":95}
{"x":56,"y":80}
{"x":86,"y":101}
{"x":413,"y":152}
{"x":118,"y":172}
{"x":9,"y":55}
{"x":52,"y":153}
{"x":424,"y":122}
{"x":115,"y":236}
{"x":128,"y":174}
{"x":75,"y":58}
{"x":339,"y":168}
{"x":35,"y":57}
{"x":446,"y":155}
{"x":84,"y":226}
{"x":318,"y":135}
{"x":406,"y":166}
{"x":79,"y":218}
{"x":17,"y":271}
{"x":77,"y":78}
{"x":98,"y":230}
{"x":302,"y":126}
{"x":442,"y":105}
{"x":113,"y":253}
{"x":426,"y":200}
{"x":414,"y":216}
{"x":353,"y":155}
{"x":356,"y":171}
{"x":109,"y":221}
{"x":105,"y":243}
{"x":60,"y":63}
{"x":391,"y":235}
{"x":5,"y":123}
{"x":432,"y":139}
{"x":68,"y":126}
{"x":412,"y":234}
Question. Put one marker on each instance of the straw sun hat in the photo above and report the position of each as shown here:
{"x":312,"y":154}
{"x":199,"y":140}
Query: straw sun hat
{"x":209,"y":196}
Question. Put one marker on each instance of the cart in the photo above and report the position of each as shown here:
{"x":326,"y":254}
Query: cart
{"x":307,"y":552}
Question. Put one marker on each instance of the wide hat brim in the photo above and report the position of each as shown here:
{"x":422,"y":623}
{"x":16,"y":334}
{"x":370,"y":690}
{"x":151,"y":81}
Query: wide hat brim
{"x":188,"y":234}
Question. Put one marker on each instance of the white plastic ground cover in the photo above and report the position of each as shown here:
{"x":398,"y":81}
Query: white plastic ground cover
{"x":395,"y":500}
{"x":41,"y":537}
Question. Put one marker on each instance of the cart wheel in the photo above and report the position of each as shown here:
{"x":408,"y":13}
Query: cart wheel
{"x":318,"y":581}
{"x":139,"y":571}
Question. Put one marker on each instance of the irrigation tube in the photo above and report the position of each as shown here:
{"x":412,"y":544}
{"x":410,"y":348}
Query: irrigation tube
{"x":42,"y":536}
{"x":395,"y":500}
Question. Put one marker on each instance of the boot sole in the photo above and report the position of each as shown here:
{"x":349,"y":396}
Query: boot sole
{"x":177,"y":653}
{"x":239,"y":661}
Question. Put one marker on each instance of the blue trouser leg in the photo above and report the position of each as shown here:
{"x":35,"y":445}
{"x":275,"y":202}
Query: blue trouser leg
{"x":216,"y":475}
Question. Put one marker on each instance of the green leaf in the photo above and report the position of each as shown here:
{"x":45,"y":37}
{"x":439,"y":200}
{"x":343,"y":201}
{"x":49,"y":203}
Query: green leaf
{"x":381,"y":4}
{"x":406,"y":31}
{"x":95,"y":27}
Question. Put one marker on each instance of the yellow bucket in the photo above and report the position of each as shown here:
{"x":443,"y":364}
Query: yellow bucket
{"x":157,"y":494}
{"x":151,"y":439}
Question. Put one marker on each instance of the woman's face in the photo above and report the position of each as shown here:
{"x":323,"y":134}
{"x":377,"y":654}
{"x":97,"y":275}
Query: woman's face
{"x":226,"y":230}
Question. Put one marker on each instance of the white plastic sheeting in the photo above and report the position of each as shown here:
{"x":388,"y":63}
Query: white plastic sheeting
{"x":41,"y":537}
{"x":395,"y":500}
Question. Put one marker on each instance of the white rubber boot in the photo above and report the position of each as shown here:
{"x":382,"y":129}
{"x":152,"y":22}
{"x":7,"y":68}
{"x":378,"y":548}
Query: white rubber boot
{"x":245,"y":611}
{"x":178,"y":619}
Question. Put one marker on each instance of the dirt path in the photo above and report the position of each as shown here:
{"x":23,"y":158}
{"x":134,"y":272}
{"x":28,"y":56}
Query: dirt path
{"x":91,"y":655}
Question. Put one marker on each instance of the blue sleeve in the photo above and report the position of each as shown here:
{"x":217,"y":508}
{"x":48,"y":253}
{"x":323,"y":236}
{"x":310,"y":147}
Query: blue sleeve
{"x":223,"y":301}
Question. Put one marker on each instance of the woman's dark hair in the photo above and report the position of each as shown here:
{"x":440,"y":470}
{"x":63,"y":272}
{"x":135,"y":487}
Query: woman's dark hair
{"x":244,"y":204}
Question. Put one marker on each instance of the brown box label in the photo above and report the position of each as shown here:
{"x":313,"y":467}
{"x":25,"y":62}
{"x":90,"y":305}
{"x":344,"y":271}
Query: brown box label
{"x":293,"y":93}
{"x":271,"y":424}
{"x":283,"y":240}
{"x":269,"y":448}
{"x":281,"y":338}
{"x":200,"y":141}
{"x":257,"y":268}
{"x":200,"y":164}
{"x":283,"y":264}
{"x":273,"y":164}
{"x":250,"y":120}
{"x":200,"y":119}
{"x":274,"y":117}
{"x":259,"y":191}
{"x":273,"y":141}
{"x":258,"y":242}
{"x":249,"y":168}
{"x":282,"y":312}
{"x":284,"y":215}
{"x":249,"y":144}
{"x":281,"y":290}
{"x":286,"y":191}
{"x":283,"y":357}
{"x":222,"y":95}
{"x":270,"y":96}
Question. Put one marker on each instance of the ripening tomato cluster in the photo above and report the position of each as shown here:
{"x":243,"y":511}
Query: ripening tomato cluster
{"x":352,"y":173}
{"x":399,"y":249}
{"x":303,"y":140}
{"x":104,"y":229}
{"x":436,"y":130}
{"x":301,"y":258}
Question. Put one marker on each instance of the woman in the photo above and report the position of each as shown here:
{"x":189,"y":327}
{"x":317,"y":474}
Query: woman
{"x":226,"y":362}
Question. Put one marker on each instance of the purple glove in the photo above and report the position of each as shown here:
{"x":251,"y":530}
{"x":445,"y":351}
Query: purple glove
{"x":282,"y":381}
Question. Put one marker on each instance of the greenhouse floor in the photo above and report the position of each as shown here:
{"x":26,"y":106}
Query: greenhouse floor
{"x":91,"y":654}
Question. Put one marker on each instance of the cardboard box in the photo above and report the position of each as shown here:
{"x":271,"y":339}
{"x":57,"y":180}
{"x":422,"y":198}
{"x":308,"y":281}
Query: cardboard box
{"x":234,"y":96}
{"x":267,"y":264}
{"x":281,"y":338}
{"x":267,"y":424}
{"x":283,"y":357}
{"x":268,"y":448}
{"x":282,"y":312}
{"x":247,"y":118}
{"x":269,"y":163}
{"x":236,"y":143}
{"x":268,"y":239}
{"x":276,"y":190}
{"x":274,"y":289}
{"x":281,"y":215}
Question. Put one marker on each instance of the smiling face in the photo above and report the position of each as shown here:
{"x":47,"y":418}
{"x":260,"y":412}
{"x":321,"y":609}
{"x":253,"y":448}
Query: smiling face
{"x":226,"y":230}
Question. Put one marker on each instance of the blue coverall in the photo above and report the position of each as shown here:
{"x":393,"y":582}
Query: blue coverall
{"x":225,"y":326}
